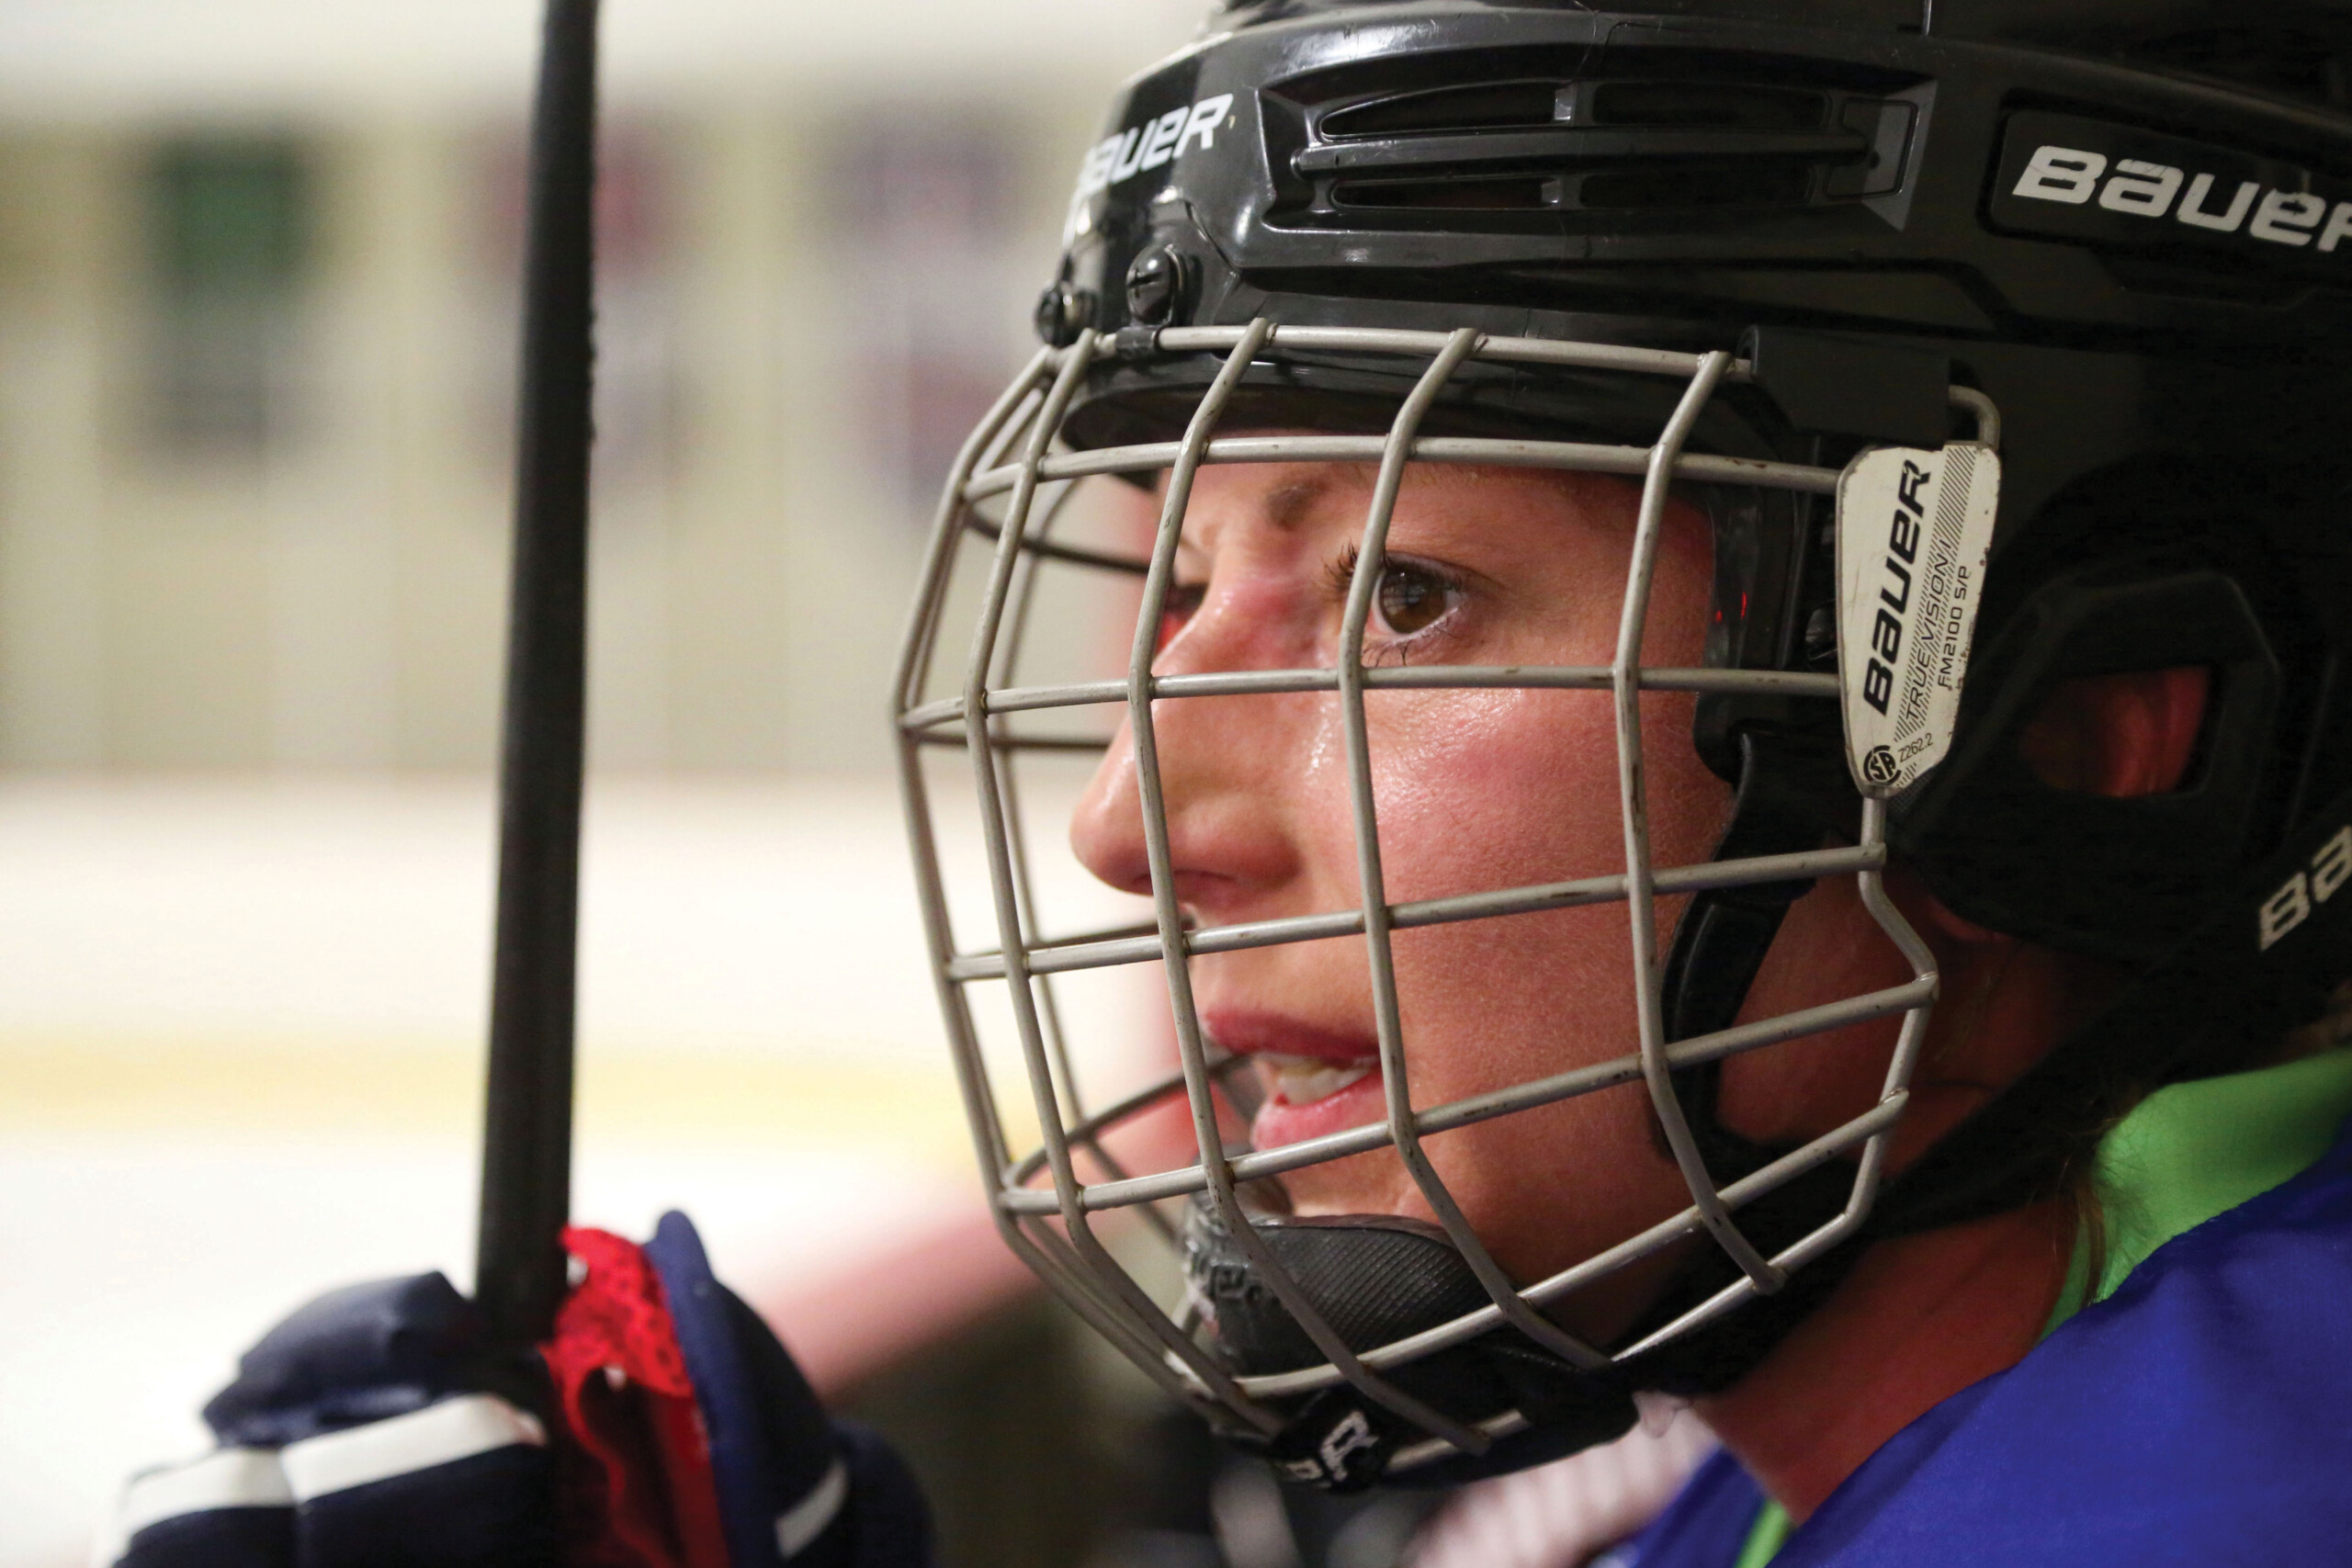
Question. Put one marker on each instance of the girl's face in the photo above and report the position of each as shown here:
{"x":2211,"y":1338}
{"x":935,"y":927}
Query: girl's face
{"x":1475,"y":790}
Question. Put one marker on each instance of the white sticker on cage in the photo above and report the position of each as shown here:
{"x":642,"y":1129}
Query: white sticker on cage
{"x":1913,"y":530}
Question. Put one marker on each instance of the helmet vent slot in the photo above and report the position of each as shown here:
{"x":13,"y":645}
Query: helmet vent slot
{"x":1484,"y":106}
{"x":1697,"y":185}
{"x":1724,"y":106}
{"x":1509,"y":195}
{"x":1522,"y":150}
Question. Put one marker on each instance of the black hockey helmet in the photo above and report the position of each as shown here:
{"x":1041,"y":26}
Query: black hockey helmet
{"x":1763,"y":238}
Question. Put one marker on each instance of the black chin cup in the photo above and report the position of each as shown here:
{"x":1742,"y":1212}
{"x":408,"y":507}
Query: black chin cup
{"x":1376,"y":1280}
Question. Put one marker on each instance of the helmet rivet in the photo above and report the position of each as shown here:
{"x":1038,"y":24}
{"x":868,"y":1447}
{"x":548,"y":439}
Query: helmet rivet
{"x":1156,"y":282}
{"x":1062,"y":313}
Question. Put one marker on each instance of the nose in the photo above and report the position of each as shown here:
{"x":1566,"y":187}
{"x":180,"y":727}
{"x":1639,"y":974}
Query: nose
{"x":1106,"y":831}
{"x":1229,"y":768}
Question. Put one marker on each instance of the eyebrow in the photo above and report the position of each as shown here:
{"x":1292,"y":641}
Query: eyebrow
{"x":1287,"y":505}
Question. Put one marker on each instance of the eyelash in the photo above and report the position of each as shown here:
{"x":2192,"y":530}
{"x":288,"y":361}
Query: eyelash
{"x":1340,"y":574}
{"x":1184,"y":598}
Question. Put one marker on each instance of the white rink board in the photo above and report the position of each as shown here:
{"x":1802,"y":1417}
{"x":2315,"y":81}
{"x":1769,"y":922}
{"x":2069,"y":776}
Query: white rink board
{"x":242,"y":1024}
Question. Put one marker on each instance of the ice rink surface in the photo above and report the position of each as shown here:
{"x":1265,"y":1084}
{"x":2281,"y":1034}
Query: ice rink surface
{"x":240,"y":1035}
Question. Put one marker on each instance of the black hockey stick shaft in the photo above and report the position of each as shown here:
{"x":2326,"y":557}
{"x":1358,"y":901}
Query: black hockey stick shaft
{"x":526,"y":1132}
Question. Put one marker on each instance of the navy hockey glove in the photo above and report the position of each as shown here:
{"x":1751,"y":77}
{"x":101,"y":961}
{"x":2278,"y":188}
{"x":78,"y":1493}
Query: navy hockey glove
{"x":361,"y":1430}
{"x":372,"y":1428}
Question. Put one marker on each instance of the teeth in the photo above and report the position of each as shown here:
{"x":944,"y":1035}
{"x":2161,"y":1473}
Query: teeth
{"x":1302,"y":1080}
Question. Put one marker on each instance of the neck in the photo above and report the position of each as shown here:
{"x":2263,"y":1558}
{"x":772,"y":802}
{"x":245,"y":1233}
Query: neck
{"x":1921,"y":1318}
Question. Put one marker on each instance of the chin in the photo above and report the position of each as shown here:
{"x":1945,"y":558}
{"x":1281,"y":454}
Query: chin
{"x":1373,"y":1183}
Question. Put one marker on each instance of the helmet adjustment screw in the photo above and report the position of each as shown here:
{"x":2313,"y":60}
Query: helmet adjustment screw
{"x":1157,"y":283}
{"x":1063,"y":310}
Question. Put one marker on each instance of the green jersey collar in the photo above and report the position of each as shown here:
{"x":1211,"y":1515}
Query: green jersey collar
{"x":2191,"y":1151}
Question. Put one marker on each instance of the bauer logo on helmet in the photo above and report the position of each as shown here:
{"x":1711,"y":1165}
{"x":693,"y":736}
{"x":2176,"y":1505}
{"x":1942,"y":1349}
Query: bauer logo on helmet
{"x":2083,"y":179}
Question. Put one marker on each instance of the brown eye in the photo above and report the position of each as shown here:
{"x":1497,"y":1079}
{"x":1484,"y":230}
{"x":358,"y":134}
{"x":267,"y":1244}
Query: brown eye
{"x":1412,"y":600}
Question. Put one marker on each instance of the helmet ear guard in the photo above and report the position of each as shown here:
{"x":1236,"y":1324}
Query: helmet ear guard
{"x":2122,"y":878}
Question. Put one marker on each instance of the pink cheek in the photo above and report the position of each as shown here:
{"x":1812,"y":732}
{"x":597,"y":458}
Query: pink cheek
{"x":1495,"y":788}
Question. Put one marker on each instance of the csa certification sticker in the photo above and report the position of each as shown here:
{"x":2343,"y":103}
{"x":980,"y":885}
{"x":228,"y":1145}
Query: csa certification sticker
{"x":1913,"y":530}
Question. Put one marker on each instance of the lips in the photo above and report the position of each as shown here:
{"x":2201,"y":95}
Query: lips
{"x":1317,"y":1081}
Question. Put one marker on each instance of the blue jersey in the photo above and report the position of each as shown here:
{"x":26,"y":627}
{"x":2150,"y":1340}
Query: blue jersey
{"x":2199,"y":1413}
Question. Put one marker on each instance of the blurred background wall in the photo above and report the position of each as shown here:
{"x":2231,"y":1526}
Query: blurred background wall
{"x":257,"y":321}
{"x":257,"y":269}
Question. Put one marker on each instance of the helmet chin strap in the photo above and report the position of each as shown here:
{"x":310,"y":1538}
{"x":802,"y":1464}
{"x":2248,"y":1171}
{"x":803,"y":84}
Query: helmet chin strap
{"x":1788,"y":793}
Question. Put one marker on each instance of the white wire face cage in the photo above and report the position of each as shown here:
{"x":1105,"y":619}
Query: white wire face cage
{"x":1052,"y":1201}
